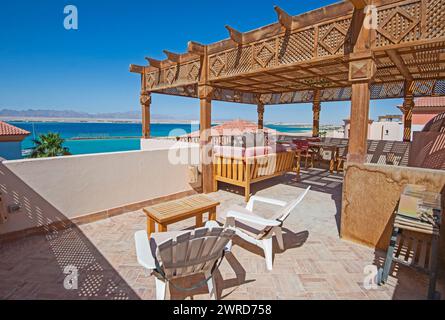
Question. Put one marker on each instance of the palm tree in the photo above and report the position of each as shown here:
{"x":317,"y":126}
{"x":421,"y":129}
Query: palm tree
{"x":49,"y":145}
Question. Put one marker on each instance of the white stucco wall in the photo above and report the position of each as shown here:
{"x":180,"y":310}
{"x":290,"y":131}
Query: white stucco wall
{"x":157,"y":144}
{"x":50,"y":189}
{"x":386,"y":130}
{"x":383,"y":130}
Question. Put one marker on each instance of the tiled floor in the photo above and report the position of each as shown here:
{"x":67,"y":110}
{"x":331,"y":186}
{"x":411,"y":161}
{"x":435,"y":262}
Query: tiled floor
{"x":316,"y":263}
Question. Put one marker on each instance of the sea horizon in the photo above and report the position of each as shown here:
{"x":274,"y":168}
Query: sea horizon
{"x":138,"y":121}
{"x":99,"y":137}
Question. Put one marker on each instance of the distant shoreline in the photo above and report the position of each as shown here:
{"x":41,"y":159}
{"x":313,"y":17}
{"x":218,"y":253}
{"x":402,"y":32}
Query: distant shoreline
{"x":126,"y":121}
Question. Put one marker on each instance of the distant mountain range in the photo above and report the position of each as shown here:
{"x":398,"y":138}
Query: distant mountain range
{"x":46,"y":113}
{"x":128,"y":116}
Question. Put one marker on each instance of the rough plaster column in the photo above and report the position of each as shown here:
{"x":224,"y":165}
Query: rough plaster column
{"x":316,"y":107}
{"x":145,"y":101}
{"x":205,"y":139}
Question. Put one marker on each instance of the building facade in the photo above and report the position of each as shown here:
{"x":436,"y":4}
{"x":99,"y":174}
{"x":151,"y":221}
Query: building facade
{"x":11,"y":139}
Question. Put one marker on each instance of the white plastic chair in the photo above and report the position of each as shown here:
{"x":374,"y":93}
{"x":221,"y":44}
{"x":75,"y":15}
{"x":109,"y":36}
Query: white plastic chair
{"x":177,"y":254}
{"x":258,"y":230}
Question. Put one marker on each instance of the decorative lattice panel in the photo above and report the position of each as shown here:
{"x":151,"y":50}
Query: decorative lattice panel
{"x":331,"y":37}
{"x":295,"y":47}
{"x":387,"y":90}
{"x":439,"y":88}
{"x":264,"y":54}
{"x":171,"y":75}
{"x":239,"y":60}
{"x":234,"y":96}
{"x":217,"y":66}
{"x":186,"y":91}
{"x":423,"y":87}
{"x":435,"y":18}
{"x":335,"y":94}
{"x":178,"y":74}
{"x":399,"y":23}
{"x":151,"y":79}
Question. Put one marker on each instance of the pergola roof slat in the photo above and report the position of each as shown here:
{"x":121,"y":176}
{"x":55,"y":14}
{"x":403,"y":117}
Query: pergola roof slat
{"x":313,"y":51}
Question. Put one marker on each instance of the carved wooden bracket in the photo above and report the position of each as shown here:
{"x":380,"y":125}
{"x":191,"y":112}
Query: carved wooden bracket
{"x":153,"y":62}
{"x":284,"y":18}
{"x":136,"y":69}
{"x":235,"y":35}
{"x":362,"y":67}
{"x":145,"y":99}
{"x":173,"y":57}
{"x":196,"y":48}
{"x":205,"y":92}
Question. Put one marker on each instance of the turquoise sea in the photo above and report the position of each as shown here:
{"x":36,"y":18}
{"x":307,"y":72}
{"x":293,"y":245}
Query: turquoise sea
{"x":86,"y":137}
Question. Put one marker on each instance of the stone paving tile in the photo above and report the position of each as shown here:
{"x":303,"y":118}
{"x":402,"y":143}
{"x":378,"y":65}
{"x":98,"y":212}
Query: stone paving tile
{"x":316,"y":263}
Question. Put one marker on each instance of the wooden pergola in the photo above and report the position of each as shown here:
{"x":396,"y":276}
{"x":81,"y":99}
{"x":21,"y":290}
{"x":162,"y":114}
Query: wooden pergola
{"x":353,"y":50}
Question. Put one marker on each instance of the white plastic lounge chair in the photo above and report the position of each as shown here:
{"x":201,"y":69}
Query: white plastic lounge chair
{"x":171,"y":255}
{"x":258,"y":230}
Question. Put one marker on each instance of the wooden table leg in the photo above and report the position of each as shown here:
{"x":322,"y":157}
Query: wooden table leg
{"x":162,"y":227}
{"x":212,"y":214}
{"x":199,"y":220}
{"x":150,"y":226}
{"x":331,"y":165}
{"x":297,"y":165}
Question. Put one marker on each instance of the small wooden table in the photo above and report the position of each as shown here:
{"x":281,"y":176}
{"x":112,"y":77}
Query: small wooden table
{"x":415,"y":235}
{"x":332,"y":147}
{"x":176,"y":210}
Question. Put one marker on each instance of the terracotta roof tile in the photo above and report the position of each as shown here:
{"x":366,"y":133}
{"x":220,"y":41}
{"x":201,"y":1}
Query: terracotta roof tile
{"x":7,"y":129}
{"x":429,"y":102}
{"x":235,"y":126}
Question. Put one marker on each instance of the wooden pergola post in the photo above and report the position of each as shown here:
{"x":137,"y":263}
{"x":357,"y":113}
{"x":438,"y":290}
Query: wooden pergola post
{"x":260,"y":111}
{"x":316,"y":107}
{"x":362,"y":69}
{"x":205,"y":94}
{"x":205,"y":137}
{"x":407,"y":108}
{"x":359,"y":122}
{"x":145,"y":101}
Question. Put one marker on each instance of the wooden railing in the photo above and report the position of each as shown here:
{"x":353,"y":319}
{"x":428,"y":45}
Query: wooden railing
{"x":379,"y":151}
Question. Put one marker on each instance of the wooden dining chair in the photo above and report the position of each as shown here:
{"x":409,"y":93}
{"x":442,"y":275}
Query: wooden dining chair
{"x":305,"y":152}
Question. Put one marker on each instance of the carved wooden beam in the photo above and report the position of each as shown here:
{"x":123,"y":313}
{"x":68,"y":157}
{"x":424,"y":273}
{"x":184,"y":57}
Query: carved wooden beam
{"x":235,"y":35}
{"x":196,"y":48}
{"x":153,"y":62}
{"x":359,"y":4}
{"x":358,"y":18}
{"x":136,"y":69}
{"x":397,"y":60}
{"x":173,"y":57}
{"x":284,"y":18}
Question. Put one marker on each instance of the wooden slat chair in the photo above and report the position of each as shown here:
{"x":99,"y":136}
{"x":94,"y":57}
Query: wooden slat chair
{"x":258,"y":230}
{"x":341,"y":158}
{"x":178,"y":254}
{"x":305,"y":152}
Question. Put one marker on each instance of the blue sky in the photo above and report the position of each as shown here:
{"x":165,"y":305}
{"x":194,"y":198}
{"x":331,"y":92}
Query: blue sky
{"x":42,"y":65}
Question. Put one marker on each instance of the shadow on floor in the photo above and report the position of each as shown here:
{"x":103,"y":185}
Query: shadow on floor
{"x":290,"y":239}
{"x":319,"y":179}
{"x":179,"y":291}
{"x":43,"y":266}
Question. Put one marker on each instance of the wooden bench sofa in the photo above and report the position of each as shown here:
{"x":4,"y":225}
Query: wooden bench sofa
{"x":242,"y":168}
